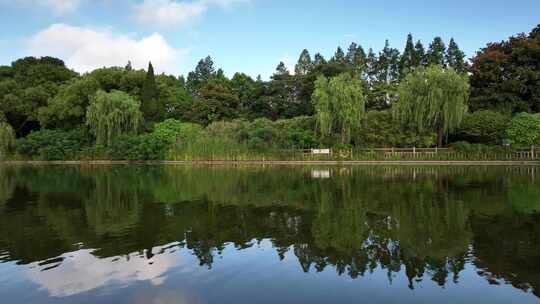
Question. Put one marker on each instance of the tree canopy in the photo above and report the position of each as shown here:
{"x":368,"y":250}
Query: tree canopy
{"x":339,"y":105}
{"x":433,"y":97}
{"x":506,"y":75}
{"x":113,"y":114}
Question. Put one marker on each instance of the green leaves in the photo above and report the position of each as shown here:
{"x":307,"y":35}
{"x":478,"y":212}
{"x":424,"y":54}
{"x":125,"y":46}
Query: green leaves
{"x":484,"y":126}
{"x":112,"y":114}
{"x":524,"y":130}
{"x":432,"y":98}
{"x":339,"y":105}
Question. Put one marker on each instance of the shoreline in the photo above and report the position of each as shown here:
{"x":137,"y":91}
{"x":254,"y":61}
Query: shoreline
{"x":283,"y":163}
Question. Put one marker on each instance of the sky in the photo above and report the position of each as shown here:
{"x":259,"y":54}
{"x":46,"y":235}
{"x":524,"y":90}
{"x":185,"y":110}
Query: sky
{"x":250,"y":36}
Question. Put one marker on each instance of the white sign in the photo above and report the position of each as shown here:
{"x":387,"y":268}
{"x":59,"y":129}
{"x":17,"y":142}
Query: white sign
{"x":321,"y":151}
{"x":320,"y":173}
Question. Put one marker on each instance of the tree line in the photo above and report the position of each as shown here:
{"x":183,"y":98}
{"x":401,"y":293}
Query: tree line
{"x":420,"y":96}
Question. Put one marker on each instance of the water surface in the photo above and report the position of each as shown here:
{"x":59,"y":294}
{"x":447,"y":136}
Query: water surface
{"x":181,"y":234}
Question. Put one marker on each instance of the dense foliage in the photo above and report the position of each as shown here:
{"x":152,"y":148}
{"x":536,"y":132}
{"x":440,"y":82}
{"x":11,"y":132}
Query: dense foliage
{"x":506,"y":75}
{"x":111,"y":115}
{"x":524,"y":130}
{"x":484,"y":126}
{"x":339,"y":105}
{"x":343,"y":101}
{"x":433,"y":98}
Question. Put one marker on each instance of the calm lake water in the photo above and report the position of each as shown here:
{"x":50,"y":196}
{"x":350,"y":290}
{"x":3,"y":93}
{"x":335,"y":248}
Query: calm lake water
{"x":180,"y":234}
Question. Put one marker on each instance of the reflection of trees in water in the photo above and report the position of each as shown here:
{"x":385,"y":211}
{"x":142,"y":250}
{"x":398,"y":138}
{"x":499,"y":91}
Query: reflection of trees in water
{"x":508,"y":249}
{"x":396,"y":218}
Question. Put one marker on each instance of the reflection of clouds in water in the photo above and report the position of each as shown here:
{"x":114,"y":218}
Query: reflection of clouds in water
{"x":81,"y":271}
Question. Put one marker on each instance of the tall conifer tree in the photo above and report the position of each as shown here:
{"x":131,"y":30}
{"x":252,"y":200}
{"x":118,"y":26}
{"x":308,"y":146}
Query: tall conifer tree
{"x":149,"y":97}
{"x":436,"y":52}
{"x":455,"y":58}
{"x":407,"y":62}
{"x":304,"y":64}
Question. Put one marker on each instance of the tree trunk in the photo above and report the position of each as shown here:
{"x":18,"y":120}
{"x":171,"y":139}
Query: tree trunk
{"x":440,"y":138}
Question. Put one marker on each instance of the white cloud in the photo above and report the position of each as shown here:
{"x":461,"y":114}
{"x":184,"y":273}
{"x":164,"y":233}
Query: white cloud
{"x":85,"y":49}
{"x":57,"y":6}
{"x":167,"y":13}
{"x":172,"y":13}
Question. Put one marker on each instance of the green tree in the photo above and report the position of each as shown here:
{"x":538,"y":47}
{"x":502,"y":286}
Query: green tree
{"x":524,"y":130}
{"x":455,"y":58}
{"x":26,"y":86}
{"x":339,"y":56}
{"x":217,"y":101}
{"x":419,"y":55}
{"x":383,"y":87}
{"x":436,"y":52}
{"x":304,"y":64}
{"x":318,"y":59}
{"x":408,"y":58}
{"x":204,"y":72}
{"x":113,"y":114}
{"x":339,"y":105}
{"x":67,"y":109}
{"x":484,"y":126}
{"x":150,"y":104}
{"x":356,"y":57}
{"x":433,"y":98}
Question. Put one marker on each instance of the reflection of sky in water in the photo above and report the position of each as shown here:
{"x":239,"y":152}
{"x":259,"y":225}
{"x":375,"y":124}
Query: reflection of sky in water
{"x":253,"y":275}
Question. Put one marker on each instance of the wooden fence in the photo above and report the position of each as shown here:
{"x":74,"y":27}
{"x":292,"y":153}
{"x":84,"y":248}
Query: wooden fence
{"x":414,"y":153}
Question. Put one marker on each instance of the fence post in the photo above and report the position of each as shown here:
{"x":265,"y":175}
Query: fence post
{"x":532,"y":152}
{"x":414,"y":151}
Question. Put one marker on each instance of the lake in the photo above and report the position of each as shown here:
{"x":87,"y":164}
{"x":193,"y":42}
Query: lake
{"x":274,"y":234}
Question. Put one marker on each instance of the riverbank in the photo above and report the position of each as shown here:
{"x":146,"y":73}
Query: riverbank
{"x":291,"y":163}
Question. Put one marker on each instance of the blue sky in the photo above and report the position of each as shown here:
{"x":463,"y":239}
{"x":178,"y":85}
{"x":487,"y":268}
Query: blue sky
{"x":250,"y":36}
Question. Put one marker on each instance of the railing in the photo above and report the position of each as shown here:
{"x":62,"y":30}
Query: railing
{"x":414,"y":153}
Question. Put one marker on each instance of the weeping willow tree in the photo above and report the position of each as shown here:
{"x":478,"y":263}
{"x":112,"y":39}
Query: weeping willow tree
{"x":432,"y":98}
{"x":113,"y":114}
{"x":7,"y":136}
{"x":339,"y":106}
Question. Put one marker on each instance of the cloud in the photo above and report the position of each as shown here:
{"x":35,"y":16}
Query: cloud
{"x":57,"y":6}
{"x":85,"y":49}
{"x":172,"y":13}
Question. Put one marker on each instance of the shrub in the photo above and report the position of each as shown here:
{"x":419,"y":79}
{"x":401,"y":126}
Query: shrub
{"x":53,"y":144}
{"x":298,"y":132}
{"x":484,"y":126}
{"x":173,"y":131}
{"x":380,"y":130}
{"x":524,"y":130}
{"x":141,"y":147}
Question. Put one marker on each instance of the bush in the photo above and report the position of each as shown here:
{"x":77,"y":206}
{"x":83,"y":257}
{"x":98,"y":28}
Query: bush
{"x":380,"y":130}
{"x":174,"y":131}
{"x":487,"y":127}
{"x":466,"y":147}
{"x":142,"y":147}
{"x":53,"y":144}
{"x":524,"y":130}
{"x":298,"y":132}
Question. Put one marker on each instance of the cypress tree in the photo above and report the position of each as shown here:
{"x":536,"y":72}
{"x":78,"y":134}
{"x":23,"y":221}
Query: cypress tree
{"x":149,"y":97}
